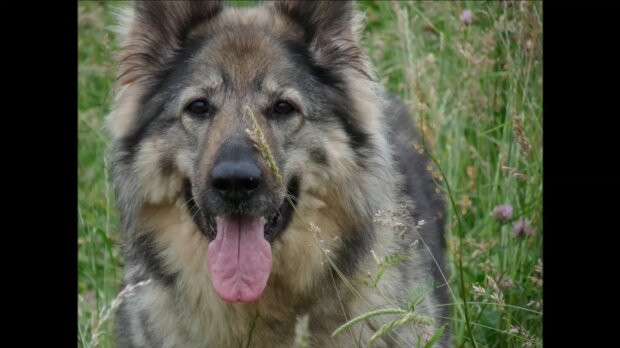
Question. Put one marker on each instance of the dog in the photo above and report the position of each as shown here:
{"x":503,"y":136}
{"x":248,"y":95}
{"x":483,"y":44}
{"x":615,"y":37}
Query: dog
{"x":267,"y":185}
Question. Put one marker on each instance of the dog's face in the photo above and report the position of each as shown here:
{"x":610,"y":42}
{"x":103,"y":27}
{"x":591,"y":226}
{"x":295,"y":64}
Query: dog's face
{"x":238,"y":112}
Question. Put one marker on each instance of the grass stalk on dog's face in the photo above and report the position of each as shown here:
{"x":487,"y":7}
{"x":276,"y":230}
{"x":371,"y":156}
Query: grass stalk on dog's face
{"x":258,"y":138}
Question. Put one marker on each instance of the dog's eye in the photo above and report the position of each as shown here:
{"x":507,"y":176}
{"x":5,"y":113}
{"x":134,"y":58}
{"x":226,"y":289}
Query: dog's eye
{"x":198,"y":107}
{"x":283,"y":108}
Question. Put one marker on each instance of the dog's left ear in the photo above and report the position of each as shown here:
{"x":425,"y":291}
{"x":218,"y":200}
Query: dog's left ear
{"x":329,"y":27}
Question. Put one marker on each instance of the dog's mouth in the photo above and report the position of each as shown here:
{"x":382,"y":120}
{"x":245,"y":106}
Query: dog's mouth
{"x":239,"y":253}
{"x":275,"y":223}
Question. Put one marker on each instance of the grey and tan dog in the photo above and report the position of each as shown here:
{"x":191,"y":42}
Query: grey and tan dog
{"x":260,"y":169}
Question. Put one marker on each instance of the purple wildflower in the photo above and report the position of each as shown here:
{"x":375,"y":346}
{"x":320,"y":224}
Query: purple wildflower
{"x":522,"y":228}
{"x":502,"y":212}
{"x":467,"y":17}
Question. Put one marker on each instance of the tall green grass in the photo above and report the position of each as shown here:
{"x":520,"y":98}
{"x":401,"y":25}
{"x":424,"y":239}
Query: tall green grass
{"x":99,"y":259}
{"x":474,"y":89}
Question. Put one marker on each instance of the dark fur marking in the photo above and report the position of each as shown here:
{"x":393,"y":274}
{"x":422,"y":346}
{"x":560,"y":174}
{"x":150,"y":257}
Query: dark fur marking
{"x":319,"y":156}
{"x":193,"y":209}
{"x":166,"y":165}
{"x":174,"y":72}
{"x":303,"y":57}
{"x":152,"y":103}
{"x":144,"y":251}
{"x":130,"y":143}
{"x":356,"y":245}
{"x":285,"y":212}
{"x":257,"y":83}
{"x":340,"y":101}
{"x":358,"y":139}
{"x":122,"y":327}
{"x":150,"y":339}
{"x":226,"y":81}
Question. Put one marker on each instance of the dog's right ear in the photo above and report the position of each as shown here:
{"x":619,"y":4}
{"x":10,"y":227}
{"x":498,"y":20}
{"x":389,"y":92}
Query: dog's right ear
{"x":154,"y":31}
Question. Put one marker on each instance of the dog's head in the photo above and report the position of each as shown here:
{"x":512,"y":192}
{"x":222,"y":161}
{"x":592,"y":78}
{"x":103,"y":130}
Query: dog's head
{"x":239,"y":112}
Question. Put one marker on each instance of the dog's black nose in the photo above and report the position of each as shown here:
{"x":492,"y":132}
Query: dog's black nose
{"x":236,"y":181}
{"x":236,"y":175}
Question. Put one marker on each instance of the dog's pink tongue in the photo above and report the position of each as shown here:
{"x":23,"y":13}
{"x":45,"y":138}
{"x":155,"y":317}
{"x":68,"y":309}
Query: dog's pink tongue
{"x":239,"y":258}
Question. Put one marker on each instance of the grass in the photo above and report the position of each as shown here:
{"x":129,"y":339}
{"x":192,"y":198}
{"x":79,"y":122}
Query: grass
{"x":475,"y":91}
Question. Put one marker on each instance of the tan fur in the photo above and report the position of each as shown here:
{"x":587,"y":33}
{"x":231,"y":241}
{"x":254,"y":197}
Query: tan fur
{"x":123,"y":116}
